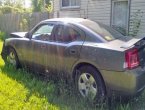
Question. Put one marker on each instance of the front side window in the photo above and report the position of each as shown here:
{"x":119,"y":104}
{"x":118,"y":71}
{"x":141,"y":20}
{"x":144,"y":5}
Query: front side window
{"x":43,"y":32}
{"x":70,"y":3}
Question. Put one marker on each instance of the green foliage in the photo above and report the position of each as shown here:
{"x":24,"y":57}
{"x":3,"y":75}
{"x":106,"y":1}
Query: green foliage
{"x":49,"y":8}
{"x":48,"y":5}
{"x":25,"y":22}
{"x":135,"y":23}
{"x":24,"y":25}
{"x":14,"y":3}
{"x":10,"y":9}
{"x":13,"y":6}
{"x":124,"y":107}
{"x":37,"y":5}
{"x":2,"y":36}
{"x":41,"y":5}
{"x":27,"y":10}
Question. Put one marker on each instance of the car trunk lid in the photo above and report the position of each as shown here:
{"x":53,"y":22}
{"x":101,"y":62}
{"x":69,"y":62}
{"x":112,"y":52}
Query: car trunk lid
{"x":130,"y":42}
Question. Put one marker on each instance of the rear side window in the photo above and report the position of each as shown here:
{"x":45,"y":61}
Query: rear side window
{"x":72,"y":34}
{"x":66,"y":33}
{"x":104,"y":31}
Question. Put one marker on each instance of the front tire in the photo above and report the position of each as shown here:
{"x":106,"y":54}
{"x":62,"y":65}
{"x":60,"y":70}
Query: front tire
{"x":12,"y":58}
{"x":90,"y":85}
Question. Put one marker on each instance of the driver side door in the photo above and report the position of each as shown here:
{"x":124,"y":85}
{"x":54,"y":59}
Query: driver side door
{"x":40,"y":47}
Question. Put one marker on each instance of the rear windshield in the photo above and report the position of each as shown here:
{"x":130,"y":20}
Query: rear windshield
{"x":104,"y":31}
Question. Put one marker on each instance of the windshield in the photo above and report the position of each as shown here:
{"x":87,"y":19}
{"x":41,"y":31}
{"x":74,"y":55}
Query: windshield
{"x":104,"y":31}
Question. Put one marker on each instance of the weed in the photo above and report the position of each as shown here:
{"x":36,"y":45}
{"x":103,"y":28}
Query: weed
{"x":2,"y":36}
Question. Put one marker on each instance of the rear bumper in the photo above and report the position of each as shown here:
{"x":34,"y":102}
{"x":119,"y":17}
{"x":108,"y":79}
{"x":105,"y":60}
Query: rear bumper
{"x":127,"y":83}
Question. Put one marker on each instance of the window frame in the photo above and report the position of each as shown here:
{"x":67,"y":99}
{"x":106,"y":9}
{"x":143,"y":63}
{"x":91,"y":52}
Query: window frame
{"x":70,"y":6}
{"x":37,"y":27}
{"x":64,"y":27}
{"x":128,"y":13}
{"x":54,"y":33}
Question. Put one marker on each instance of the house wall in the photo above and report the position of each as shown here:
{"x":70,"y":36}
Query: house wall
{"x":100,"y":10}
{"x":58,"y":12}
{"x":135,"y":6}
{"x":97,"y":10}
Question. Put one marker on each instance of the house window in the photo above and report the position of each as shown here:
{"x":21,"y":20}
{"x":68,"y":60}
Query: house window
{"x":70,"y":3}
{"x":120,"y":15}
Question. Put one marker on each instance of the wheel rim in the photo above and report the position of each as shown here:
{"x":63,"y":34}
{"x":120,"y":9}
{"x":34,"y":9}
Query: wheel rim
{"x":12,"y":58}
{"x":87,"y":86}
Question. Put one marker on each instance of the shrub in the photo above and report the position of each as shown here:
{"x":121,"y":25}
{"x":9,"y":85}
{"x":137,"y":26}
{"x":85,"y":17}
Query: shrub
{"x":135,"y":23}
{"x":24,"y":25}
{"x":2,"y":36}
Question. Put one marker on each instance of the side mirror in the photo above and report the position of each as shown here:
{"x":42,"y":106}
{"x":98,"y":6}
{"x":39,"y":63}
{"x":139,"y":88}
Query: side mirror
{"x":27,"y":35}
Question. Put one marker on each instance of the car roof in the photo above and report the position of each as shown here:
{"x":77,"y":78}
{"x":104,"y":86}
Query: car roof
{"x":67,"y":20}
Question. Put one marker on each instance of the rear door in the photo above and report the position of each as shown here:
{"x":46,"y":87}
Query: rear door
{"x":67,"y":46}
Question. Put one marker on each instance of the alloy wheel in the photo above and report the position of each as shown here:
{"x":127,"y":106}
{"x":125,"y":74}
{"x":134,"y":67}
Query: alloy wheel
{"x":11,"y":58}
{"x":87,"y":86}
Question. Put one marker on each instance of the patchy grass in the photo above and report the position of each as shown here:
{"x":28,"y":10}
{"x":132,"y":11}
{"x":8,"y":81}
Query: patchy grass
{"x":21,"y":90}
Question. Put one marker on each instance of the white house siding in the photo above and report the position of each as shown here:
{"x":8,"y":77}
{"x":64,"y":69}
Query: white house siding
{"x":135,"y":6}
{"x":97,"y":10}
{"x":100,"y":10}
{"x":56,"y":7}
{"x":58,"y":12}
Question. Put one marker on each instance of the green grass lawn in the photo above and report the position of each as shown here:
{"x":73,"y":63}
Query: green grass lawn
{"x":21,"y":90}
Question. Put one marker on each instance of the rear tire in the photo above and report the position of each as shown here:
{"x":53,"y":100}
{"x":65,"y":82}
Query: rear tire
{"x":11,"y":58}
{"x":90,"y":85}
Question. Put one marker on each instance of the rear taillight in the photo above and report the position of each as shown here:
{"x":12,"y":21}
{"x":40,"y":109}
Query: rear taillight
{"x":132,"y":58}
